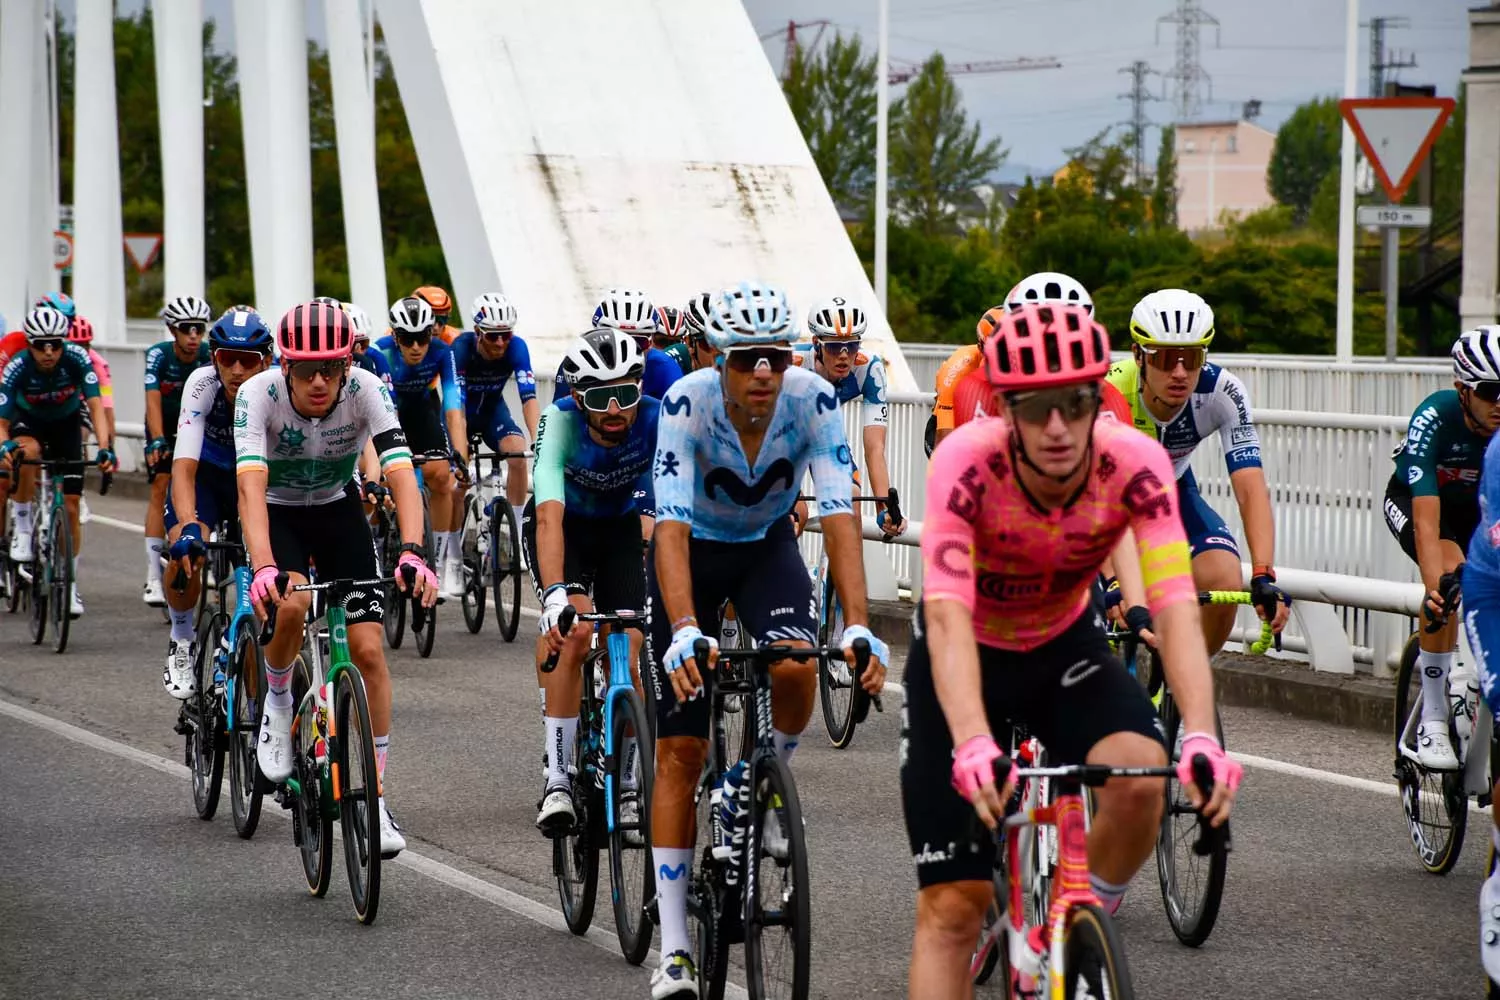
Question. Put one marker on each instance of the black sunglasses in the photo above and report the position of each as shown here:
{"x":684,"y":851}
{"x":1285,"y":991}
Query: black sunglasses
{"x":407,"y":339}
{"x":1073,"y":401}
{"x":1487,"y":391}
{"x":748,"y":359}
{"x":330,"y":370}
{"x":47,"y":346}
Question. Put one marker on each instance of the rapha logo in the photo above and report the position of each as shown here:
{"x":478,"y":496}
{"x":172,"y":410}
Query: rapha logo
{"x":928,"y":856}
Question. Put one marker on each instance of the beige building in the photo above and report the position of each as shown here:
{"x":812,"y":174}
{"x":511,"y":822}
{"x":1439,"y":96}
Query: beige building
{"x":1221,"y":166}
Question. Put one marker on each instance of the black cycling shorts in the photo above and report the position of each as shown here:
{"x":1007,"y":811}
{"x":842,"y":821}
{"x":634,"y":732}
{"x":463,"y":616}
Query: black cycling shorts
{"x":61,"y":441}
{"x":773,"y":600}
{"x":334,"y":537}
{"x":1457,"y":518}
{"x":601,"y":557}
{"x":421,"y":419}
{"x":1070,"y":693}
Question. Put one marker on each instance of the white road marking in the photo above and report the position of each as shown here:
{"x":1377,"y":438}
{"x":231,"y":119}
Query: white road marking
{"x":115,"y":522}
{"x":505,"y":899}
{"x":1389,"y":789}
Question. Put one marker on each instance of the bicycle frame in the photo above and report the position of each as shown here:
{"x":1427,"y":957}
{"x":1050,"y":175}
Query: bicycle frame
{"x":243,"y":610}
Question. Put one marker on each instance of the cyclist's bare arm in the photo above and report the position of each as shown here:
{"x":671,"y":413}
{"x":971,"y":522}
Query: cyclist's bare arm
{"x":1254,"y":499}
{"x":184,"y":492}
{"x":255,"y":520}
{"x":153,"y":415}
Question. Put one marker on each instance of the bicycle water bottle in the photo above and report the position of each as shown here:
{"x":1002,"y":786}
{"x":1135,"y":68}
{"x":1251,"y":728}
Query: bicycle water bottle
{"x":1026,"y":960}
{"x":1463,"y":692}
{"x":320,"y":743}
{"x":731,"y":826}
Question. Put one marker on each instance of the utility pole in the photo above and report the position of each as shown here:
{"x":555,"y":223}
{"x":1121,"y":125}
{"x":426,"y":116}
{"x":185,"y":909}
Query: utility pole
{"x":1187,"y":74}
{"x":1138,"y":122}
{"x":1379,"y":61}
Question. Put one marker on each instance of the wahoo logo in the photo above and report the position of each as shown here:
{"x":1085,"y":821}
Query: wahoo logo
{"x":672,"y":874}
{"x":681,"y":405}
{"x":743,"y":494}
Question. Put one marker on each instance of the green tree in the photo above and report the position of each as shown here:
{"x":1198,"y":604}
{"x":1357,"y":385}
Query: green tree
{"x":832,"y":96}
{"x":1164,"y":186}
{"x":937,"y":157}
{"x":1448,"y":162}
{"x":1306,"y":150}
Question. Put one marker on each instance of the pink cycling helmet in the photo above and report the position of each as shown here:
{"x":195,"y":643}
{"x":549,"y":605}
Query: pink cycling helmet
{"x":315,"y":331}
{"x":1041,"y":346}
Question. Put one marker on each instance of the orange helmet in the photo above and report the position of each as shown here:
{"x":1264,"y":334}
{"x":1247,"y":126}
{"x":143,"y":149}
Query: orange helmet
{"x":441,"y":304}
{"x":989,"y":323}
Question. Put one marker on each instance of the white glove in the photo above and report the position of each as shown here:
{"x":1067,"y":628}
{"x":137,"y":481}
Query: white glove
{"x":553,"y":603}
{"x":878,"y":649}
{"x":681,"y":649}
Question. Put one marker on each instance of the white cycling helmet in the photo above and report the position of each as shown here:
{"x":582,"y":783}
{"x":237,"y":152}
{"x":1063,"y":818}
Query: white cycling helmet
{"x":359,"y":319}
{"x":750,"y":313}
{"x":187,"y":309}
{"x":1172,"y":317}
{"x":1048,"y":286}
{"x":1476,"y":356}
{"x":602,"y":355}
{"x":625,"y":309}
{"x":695,"y":314}
{"x":493,"y":311}
{"x":46,"y":323}
{"x":411,"y":315}
{"x":836,"y":319}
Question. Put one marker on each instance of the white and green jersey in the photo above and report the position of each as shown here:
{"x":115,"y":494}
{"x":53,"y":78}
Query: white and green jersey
{"x":309,"y":460}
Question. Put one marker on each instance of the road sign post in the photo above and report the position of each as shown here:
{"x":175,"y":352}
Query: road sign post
{"x":1396,"y":134}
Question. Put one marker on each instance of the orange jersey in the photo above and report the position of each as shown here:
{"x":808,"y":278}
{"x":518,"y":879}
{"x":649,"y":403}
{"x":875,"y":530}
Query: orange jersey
{"x":959,"y":364}
{"x":972,"y":398}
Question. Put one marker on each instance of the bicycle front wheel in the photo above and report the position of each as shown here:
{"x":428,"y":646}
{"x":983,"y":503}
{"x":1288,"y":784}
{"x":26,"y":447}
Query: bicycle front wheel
{"x":476,"y":585}
{"x":353,"y":753}
{"x":505,"y":567}
{"x":835,"y":680}
{"x":630,"y":870}
{"x":312,"y":826}
{"x":395,"y":614}
{"x":243,"y":682}
{"x":1093,"y":958}
{"x":204,"y":747}
{"x":37,"y":590}
{"x":1435,"y":804}
{"x":1192,"y":886}
{"x":575,"y":856}
{"x":60,"y":578}
{"x":778,"y":929}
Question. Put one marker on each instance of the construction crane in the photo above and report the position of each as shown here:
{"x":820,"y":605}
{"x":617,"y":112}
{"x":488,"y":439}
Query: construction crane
{"x":909,"y":69}
{"x":792,"y":43}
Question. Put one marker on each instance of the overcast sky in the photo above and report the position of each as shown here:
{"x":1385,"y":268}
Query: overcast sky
{"x":1281,"y":52}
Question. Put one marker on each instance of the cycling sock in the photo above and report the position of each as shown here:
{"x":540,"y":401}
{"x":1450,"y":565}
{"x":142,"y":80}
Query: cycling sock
{"x":729,"y":631}
{"x":455,"y":550}
{"x":154,"y":547}
{"x":786,"y":743}
{"x":182,"y":623}
{"x":382,"y":748}
{"x":1434,"y":667}
{"x":23,"y":516}
{"x":278,"y":688}
{"x":631,"y":751}
{"x":560,"y":736}
{"x":672,"y":867}
{"x":1109,"y":894}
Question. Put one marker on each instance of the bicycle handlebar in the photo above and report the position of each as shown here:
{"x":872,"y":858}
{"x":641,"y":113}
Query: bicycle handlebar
{"x":269,"y":628}
{"x":565,"y":621}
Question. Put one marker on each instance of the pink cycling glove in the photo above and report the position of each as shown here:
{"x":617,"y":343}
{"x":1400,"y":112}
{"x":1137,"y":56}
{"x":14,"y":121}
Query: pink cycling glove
{"x":974,"y":765}
{"x":1226,"y":769}
{"x":423,"y":571}
{"x":263,"y":586}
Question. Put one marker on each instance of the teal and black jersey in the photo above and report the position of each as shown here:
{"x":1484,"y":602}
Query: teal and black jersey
{"x":167,"y":374}
{"x":43,"y":396}
{"x":1442,"y":456}
{"x":589,"y":479}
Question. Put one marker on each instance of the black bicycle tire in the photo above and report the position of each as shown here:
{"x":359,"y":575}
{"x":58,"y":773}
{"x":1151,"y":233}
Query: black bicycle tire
{"x":61,"y":557}
{"x":710,"y":949}
{"x":1455,"y":799}
{"x":361,"y":846}
{"x":37,"y":592}
{"x":245,"y":795}
{"x":583,"y":841}
{"x":634,"y":938}
{"x":502,"y":517}
{"x":395,"y":608}
{"x":12,"y":578}
{"x":313,"y":826}
{"x":777,"y":778}
{"x":840,"y":726}
{"x":476,"y":588}
{"x":208,"y":781}
{"x":1091,"y":929}
{"x":1197,"y":930}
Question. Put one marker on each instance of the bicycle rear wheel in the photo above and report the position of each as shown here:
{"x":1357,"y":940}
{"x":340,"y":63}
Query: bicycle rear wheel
{"x":424,"y":620}
{"x":395,"y":614}
{"x":312,"y":826}
{"x":575,"y":856}
{"x":836,"y":686}
{"x":60,"y":578}
{"x":505,"y":567}
{"x":244,"y":680}
{"x":37,"y":589}
{"x":1435,"y":804}
{"x":1192,"y":886}
{"x":1093,"y":958}
{"x":778,"y":928}
{"x":205,"y":750}
{"x":353,"y":755}
{"x":476,"y":586}
{"x":630,"y":871}
{"x":12,"y":579}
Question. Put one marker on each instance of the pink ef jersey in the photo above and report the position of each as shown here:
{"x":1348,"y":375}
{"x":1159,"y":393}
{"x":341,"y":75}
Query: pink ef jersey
{"x":1024,"y":573}
{"x":106,"y":387}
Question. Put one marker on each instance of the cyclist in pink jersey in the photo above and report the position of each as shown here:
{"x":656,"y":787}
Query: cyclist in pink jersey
{"x":1021,"y":511}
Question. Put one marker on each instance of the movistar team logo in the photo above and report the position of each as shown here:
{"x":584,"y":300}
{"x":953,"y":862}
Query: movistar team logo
{"x":681,"y":405}
{"x":743,"y":494}
{"x":289,"y":440}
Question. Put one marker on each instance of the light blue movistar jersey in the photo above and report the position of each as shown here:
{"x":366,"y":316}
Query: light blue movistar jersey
{"x":1484,"y":551}
{"x":865,"y":383}
{"x":701,"y":474}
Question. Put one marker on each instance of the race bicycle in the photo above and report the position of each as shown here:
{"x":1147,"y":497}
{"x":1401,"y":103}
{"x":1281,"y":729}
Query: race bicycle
{"x":387,"y":538}
{"x":491,"y":542}
{"x":612,"y":778}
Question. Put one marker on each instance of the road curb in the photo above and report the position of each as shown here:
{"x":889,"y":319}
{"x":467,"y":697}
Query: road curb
{"x":130,"y":485}
{"x":1258,"y":682}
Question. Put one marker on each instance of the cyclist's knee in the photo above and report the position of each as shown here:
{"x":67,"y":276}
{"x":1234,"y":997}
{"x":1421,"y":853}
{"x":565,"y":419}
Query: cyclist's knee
{"x":1217,"y":569}
{"x":794,"y":674}
{"x":293,"y":610}
{"x":953,"y":911}
{"x":1452,"y":554}
{"x":679,"y":759}
{"x":366,"y":650}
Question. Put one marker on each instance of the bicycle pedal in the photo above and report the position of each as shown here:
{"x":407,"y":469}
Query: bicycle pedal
{"x":182,"y":727}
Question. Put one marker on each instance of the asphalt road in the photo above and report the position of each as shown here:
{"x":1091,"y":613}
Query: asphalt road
{"x":110,"y":885}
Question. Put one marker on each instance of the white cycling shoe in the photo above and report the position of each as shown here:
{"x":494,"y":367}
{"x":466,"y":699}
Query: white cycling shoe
{"x":274,"y":750}
{"x":630,"y":816}
{"x":676,"y":978}
{"x":178,"y":677}
{"x":453,"y":580}
{"x":75,"y":604}
{"x":392,"y":842}
{"x":556,"y":816}
{"x":152,"y":595}
{"x":1434,"y":748}
{"x":20,"y":546}
{"x":772,"y":838}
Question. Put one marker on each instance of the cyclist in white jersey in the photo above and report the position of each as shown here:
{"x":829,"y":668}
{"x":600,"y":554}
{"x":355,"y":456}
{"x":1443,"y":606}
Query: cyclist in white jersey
{"x":1178,"y":397}
{"x":732,"y":447}
{"x":299,"y":431}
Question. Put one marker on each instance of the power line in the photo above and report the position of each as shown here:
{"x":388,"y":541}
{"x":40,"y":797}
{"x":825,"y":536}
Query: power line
{"x":1187,"y":74}
{"x":1138,"y":96}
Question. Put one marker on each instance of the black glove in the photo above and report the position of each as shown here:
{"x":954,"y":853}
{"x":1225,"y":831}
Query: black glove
{"x":1450,"y":591}
{"x":1138,"y":620}
{"x":1265,"y":595}
{"x":1113,"y":595}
